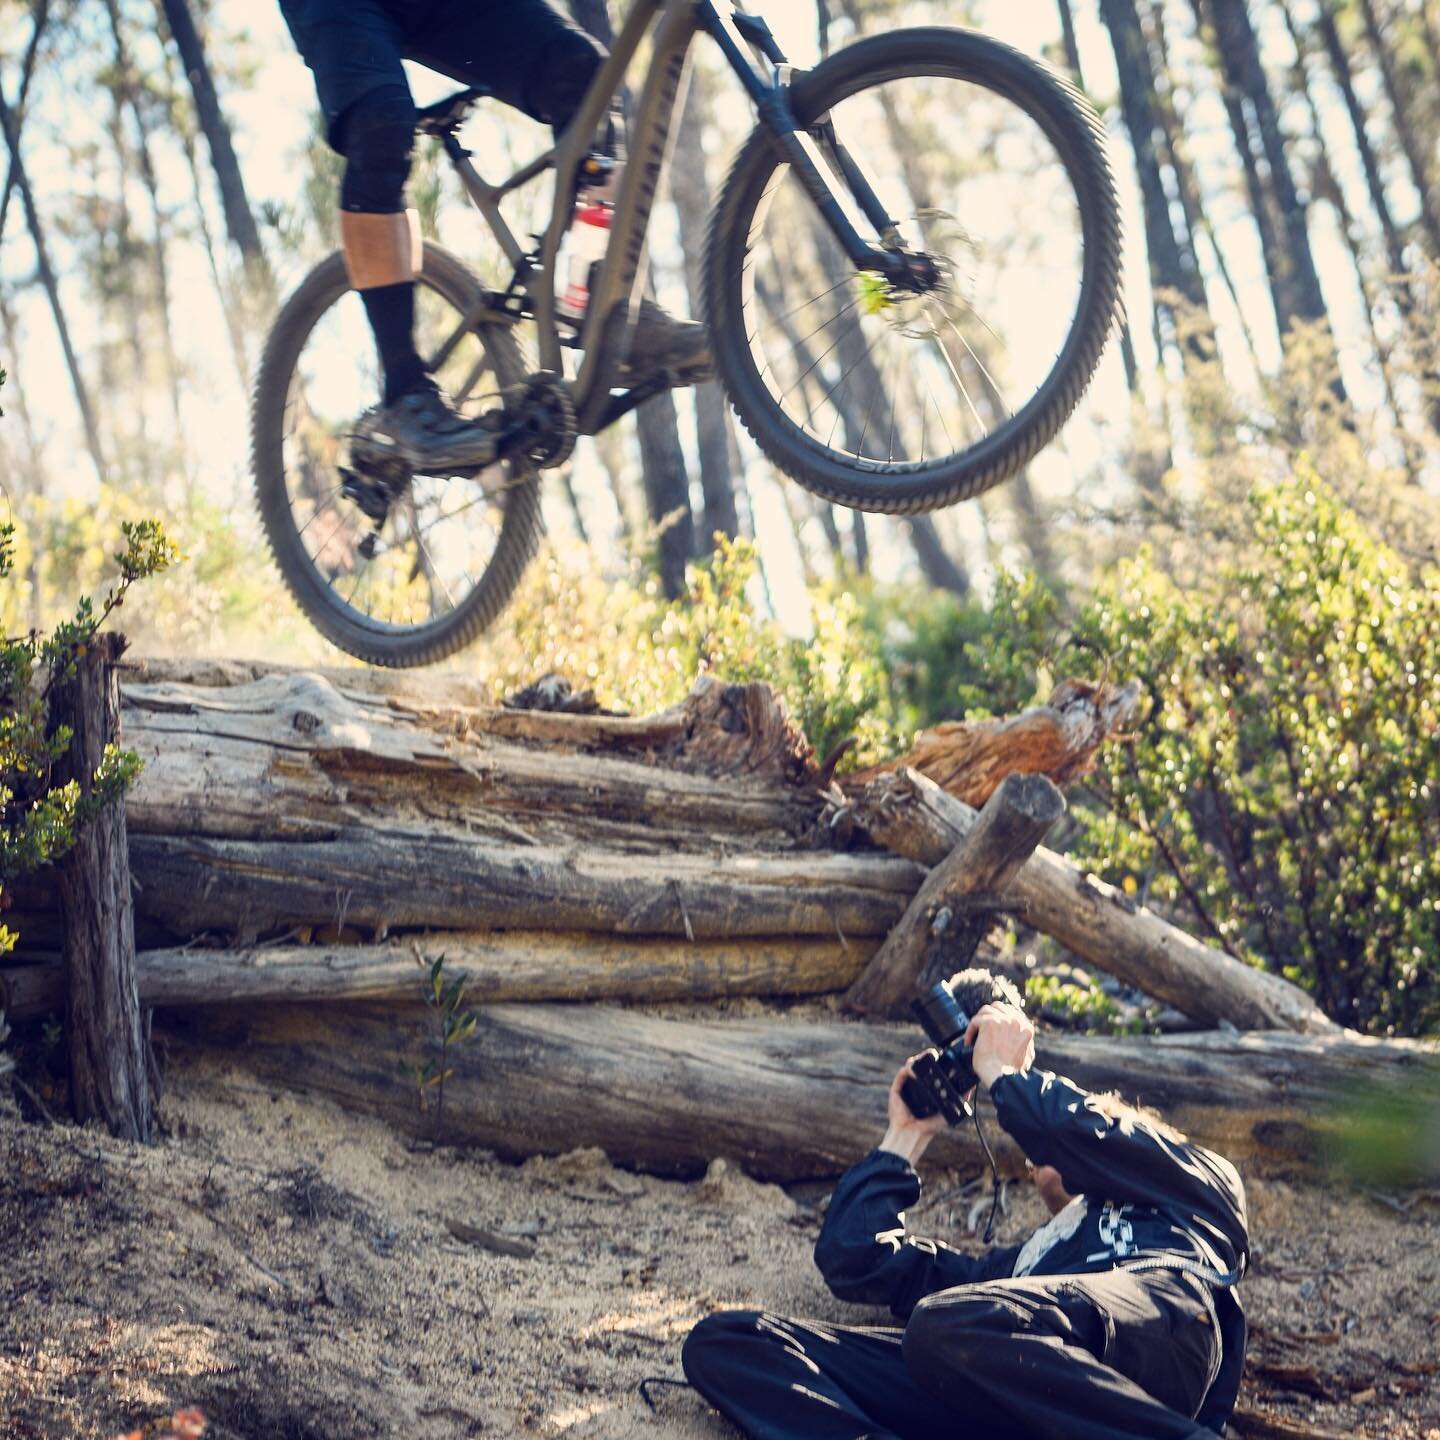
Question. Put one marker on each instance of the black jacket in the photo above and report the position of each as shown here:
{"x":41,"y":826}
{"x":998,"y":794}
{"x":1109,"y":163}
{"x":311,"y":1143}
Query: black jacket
{"x":1139,"y":1196}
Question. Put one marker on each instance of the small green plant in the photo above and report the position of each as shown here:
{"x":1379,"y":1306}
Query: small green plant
{"x":39,"y":820}
{"x":454,"y":1027}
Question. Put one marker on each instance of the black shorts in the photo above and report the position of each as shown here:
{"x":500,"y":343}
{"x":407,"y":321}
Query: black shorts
{"x":524,"y":51}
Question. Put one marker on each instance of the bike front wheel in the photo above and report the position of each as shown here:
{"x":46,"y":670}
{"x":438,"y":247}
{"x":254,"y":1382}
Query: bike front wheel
{"x":442,"y":563}
{"x":994,"y":168}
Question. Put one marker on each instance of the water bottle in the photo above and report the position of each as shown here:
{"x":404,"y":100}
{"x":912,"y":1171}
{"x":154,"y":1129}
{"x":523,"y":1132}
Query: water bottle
{"x":587,"y":242}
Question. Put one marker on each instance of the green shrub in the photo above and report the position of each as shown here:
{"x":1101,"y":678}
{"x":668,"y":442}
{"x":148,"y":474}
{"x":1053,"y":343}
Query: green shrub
{"x":1284,"y":784}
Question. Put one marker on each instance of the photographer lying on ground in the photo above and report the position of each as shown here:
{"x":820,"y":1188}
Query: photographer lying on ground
{"x":1118,"y":1318}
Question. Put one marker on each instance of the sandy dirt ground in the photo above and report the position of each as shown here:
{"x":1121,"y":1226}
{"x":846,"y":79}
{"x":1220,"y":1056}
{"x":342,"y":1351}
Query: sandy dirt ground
{"x":299,"y":1273}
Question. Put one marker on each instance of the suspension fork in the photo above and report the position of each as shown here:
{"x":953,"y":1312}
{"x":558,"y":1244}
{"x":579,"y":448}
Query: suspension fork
{"x":772,"y":103}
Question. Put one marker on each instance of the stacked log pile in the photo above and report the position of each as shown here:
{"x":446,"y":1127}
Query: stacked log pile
{"x":299,"y":839}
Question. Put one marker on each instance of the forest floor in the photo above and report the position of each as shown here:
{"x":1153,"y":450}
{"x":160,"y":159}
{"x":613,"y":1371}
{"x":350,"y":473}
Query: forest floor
{"x":300,"y":1273}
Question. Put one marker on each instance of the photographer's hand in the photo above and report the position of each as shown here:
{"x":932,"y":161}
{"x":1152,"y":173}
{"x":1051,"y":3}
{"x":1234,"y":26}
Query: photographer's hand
{"x":907,"y":1136}
{"x":1004,"y":1041}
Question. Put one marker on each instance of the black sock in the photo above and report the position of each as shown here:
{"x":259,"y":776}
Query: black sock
{"x":391,"y":309}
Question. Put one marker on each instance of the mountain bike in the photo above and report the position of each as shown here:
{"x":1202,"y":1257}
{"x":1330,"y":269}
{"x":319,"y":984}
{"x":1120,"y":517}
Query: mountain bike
{"x":910,"y":274}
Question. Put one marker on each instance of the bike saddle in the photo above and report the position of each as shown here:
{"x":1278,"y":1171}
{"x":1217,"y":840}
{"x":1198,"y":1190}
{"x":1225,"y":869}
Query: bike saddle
{"x":446,"y":116}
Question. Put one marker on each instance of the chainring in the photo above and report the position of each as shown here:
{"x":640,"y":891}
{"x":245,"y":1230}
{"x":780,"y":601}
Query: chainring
{"x":542,"y":404}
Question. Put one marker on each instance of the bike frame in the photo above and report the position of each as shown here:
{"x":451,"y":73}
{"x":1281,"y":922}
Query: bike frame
{"x":613,"y":294}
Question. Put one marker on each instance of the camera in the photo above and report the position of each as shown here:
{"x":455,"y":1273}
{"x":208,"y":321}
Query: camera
{"x":943,"y":1075}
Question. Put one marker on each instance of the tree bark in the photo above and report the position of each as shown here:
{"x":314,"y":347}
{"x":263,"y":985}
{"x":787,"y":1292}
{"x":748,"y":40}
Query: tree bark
{"x":500,"y":965}
{"x":239,"y":217}
{"x":937,"y":935}
{"x":784,"y":1101}
{"x":912,"y":816}
{"x":104,"y":1031}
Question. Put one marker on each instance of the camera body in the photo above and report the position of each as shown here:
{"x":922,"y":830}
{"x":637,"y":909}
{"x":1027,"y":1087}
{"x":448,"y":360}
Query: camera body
{"x":944,"y":1075}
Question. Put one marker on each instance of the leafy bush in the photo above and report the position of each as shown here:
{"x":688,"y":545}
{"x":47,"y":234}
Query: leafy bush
{"x":1284,"y":786}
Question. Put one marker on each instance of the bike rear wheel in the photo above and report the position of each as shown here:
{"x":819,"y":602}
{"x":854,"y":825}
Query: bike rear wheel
{"x":995,"y":168}
{"x":448,"y":556}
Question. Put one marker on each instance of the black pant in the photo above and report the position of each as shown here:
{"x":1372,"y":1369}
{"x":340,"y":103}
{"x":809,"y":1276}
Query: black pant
{"x":1071,"y":1357}
{"x":525,"y":51}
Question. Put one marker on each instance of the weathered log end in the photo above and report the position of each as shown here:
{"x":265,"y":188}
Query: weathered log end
{"x":935,"y":935}
{"x":744,"y":730}
{"x":969,"y":758}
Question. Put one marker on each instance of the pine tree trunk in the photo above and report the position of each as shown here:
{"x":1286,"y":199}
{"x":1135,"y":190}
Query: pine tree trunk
{"x":109,"y":1077}
{"x":1072,"y":58}
{"x":239,"y":218}
{"x":693,"y":200}
{"x":159,"y":248}
{"x":1345,"y":78}
{"x":1410,"y":141}
{"x":51,"y":286}
{"x":27,"y":69}
{"x":1295,"y":283}
{"x":667,"y":489}
{"x":1173,"y":265}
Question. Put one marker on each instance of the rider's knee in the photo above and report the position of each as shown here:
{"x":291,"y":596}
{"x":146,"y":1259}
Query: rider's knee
{"x":377,"y":136}
{"x":561,"y":77}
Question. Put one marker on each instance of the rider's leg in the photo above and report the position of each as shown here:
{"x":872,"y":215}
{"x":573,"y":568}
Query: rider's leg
{"x":380,"y":236}
{"x":353,"y":48}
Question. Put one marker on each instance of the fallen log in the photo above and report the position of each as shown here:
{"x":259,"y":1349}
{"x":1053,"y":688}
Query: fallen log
{"x":500,"y":965}
{"x":914,"y":817}
{"x":934,"y":935}
{"x":785,"y":1099}
{"x":969,"y":758}
{"x":389,"y":880}
{"x":295,"y":755}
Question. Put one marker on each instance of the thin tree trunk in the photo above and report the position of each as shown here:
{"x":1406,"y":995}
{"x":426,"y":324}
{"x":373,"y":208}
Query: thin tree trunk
{"x":1410,"y":141}
{"x":109,"y":1073}
{"x":239,"y":218}
{"x":667,"y":489}
{"x":52,"y":288}
{"x":1344,"y":77}
{"x":1174,"y":269}
{"x":1326,"y":182}
{"x":1295,"y":282}
{"x":1187,"y":186}
{"x":1072,"y":57}
{"x":691,"y":191}
{"x":27,"y":69}
{"x":128,"y":79}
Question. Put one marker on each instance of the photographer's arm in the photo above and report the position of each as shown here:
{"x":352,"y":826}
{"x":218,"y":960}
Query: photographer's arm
{"x":1058,"y":1124}
{"x":864,"y":1252}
